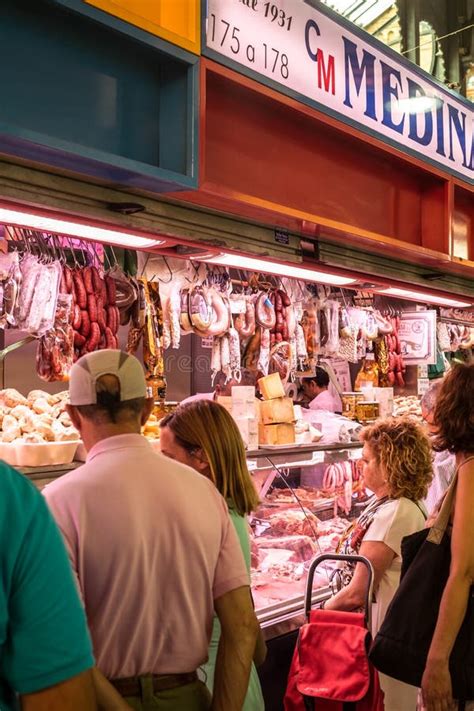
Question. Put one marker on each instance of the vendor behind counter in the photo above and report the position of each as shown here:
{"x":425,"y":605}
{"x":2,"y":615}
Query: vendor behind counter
{"x":319,"y":394}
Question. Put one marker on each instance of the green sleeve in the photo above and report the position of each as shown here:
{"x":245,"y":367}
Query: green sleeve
{"x":242,"y":528}
{"x":46,"y":639}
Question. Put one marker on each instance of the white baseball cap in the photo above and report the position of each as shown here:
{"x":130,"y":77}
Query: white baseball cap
{"x":88,"y":369}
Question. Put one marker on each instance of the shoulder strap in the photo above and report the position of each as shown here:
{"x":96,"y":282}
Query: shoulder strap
{"x":440,"y":525}
{"x":420,"y":507}
{"x":438,"y":529}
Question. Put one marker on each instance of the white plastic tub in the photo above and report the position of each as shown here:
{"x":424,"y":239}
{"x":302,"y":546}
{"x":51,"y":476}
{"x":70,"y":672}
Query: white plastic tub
{"x":41,"y":454}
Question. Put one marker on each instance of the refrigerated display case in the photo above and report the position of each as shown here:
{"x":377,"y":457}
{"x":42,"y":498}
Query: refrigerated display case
{"x":299,"y":517}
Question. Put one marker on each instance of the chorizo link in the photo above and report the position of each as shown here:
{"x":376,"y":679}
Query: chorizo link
{"x":85,"y":323}
{"x":92,"y":307}
{"x":87,"y":278}
{"x":79,"y":289}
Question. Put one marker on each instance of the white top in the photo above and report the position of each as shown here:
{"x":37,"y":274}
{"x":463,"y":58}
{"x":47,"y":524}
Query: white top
{"x":325,"y":401}
{"x":444,"y":466}
{"x":392,"y":521}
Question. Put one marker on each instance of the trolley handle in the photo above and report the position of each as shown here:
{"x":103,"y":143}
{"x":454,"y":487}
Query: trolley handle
{"x":343,"y":558}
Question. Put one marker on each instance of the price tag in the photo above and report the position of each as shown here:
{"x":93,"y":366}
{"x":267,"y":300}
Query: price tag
{"x":422,"y":371}
{"x":355,"y":454}
{"x":318,"y":458}
{"x":207,"y":342}
{"x":423,"y":385}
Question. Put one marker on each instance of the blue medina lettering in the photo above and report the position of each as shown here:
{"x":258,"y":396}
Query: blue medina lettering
{"x":358,"y":70}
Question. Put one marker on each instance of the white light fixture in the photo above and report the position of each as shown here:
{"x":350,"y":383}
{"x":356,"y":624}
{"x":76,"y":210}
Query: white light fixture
{"x":76,"y":229}
{"x":261,"y":265}
{"x":426,"y":298}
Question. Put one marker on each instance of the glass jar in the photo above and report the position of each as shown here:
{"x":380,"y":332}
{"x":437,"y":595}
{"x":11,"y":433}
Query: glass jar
{"x":367,"y":411}
{"x":349,"y":404}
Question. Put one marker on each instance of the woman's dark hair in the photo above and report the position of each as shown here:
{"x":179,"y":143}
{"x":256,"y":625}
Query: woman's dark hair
{"x":454,"y":411}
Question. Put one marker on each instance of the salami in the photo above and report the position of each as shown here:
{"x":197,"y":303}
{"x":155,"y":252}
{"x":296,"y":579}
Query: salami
{"x":247,"y":322}
{"x":174,"y":306}
{"x":200,"y":313}
{"x":225,"y":355}
{"x":216,"y":365}
{"x":184,"y":320}
{"x":234,"y":347}
{"x":265,"y":312}
{"x":111,"y":291}
{"x":220,"y":323}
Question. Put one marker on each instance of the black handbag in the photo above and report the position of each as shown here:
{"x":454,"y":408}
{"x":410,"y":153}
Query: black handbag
{"x":401,"y":646}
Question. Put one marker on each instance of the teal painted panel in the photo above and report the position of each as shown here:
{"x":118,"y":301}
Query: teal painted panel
{"x":75,"y":83}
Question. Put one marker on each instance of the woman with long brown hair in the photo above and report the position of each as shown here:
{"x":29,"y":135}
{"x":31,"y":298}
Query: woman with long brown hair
{"x":203,"y":435}
{"x":454,"y":423}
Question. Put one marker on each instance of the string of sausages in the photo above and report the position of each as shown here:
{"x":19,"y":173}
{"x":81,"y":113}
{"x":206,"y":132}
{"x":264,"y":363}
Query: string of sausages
{"x":95,"y":315}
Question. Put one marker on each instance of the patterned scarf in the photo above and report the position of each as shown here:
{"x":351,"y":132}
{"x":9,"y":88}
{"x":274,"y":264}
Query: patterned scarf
{"x":351,"y":541}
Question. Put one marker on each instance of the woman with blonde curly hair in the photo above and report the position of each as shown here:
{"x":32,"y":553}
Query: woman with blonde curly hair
{"x":203,"y":435}
{"x":397,"y":468}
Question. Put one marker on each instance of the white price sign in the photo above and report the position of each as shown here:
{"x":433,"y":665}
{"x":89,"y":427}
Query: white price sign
{"x":206,"y":342}
{"x":422,"y":371}
{"x":417,"y":336}
{"x":423,"y":386}
{"x":342,"y":372}
{"x":340,"y":70}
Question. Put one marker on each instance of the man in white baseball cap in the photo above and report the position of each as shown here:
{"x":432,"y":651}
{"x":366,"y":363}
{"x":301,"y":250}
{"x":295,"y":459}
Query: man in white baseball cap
{"x":154,"y":552}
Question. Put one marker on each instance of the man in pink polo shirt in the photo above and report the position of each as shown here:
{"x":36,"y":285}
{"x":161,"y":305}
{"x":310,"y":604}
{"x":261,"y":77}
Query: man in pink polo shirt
{"x":154,"y":552}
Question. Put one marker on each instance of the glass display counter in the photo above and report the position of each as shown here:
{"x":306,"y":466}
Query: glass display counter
{"x":309,"y":495}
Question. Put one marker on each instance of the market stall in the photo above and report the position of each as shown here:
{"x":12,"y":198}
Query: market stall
{"x":307,"y":233}
{"x":191,"y":321}
{"x":63,"y":297}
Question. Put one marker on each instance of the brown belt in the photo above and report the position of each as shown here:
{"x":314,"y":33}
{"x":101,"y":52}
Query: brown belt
{"x":131,"y":686}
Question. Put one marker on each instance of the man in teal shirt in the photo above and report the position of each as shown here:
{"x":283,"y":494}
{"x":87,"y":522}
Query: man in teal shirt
{"x":45,"y":650}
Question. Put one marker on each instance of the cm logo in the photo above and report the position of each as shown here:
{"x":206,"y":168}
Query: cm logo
{"x":326,"y":66}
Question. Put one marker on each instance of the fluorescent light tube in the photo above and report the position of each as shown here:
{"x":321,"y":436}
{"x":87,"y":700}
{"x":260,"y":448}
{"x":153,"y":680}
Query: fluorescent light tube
{"x":284,"y":270}
{"x":426,"y":298}
{"x":76,"y":229}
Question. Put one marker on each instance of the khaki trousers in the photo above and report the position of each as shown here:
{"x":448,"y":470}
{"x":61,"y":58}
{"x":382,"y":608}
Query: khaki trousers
{"x":190,"y":697}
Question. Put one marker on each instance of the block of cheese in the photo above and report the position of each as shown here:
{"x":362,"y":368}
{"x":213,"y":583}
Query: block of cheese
{"x":283,"y":433}
{"x":271,"y":386}
{"x":278,"y":410}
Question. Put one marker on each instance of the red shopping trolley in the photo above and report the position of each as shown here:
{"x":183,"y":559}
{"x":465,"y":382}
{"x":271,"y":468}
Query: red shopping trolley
{"x":330,"y":670}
